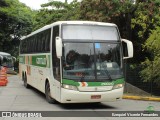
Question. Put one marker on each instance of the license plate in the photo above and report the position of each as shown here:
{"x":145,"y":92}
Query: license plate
{"x":95,"y":96}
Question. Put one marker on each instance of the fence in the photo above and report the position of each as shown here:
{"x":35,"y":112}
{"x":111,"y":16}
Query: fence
{"x":133,"y":77}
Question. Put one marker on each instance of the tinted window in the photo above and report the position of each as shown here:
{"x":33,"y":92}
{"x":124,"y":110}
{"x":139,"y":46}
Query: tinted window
{"x":37,"y":43}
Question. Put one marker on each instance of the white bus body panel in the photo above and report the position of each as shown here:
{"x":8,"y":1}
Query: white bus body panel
{"x":56,"y":90}
{"x":71,"y":96}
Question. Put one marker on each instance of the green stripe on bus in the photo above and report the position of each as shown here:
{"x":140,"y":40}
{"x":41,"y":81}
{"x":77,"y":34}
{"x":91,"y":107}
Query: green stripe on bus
{"x":36,"y":60}
{"x":114,"y":82}
{"x":119,"y":81}
{"x":39,"y":60}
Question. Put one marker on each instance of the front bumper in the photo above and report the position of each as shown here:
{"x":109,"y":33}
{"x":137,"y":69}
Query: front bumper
{"x":71,"y":96}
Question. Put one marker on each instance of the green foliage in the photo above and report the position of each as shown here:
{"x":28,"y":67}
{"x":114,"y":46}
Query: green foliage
{"x":151,"y":66}
{"x":146,"y":18}
{"x":144,"y":23}
{"x":153,"y":42}
{"x":15,"y":21}
{"x":56,"y":11}
{"x":104,"y":10}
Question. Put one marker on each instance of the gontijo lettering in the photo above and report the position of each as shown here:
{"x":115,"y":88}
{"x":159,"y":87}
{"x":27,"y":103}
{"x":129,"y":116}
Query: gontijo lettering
{"x":107,"y":84}
{"x":41,"y":61}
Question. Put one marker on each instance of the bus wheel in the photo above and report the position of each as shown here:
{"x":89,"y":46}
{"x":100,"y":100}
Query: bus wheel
{"x":23,"y":77}
{"x":25,"y":82}
{"x":48,"y":94}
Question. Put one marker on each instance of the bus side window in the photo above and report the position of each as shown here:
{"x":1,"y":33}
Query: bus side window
{"x":55,"y":60}
{"x":36,"y":44}
{"x":47,"y":41}
{"x":43,"y":42}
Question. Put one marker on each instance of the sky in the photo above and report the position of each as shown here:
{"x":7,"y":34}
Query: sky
{"x":35,"y":4}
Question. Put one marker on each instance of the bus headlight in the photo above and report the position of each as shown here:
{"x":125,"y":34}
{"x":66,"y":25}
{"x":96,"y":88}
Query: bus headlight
{"x":117,"y":86}
{"x":70,"y":87}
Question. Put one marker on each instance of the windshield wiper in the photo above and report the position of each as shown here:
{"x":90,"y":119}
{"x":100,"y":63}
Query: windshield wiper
{"x":82,"y":78}
{"x":106,"y":71}
{"x":84,"y":74}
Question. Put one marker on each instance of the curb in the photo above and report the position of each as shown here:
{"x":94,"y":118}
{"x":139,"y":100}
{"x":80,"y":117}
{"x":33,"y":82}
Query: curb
{"x":141,"y":98}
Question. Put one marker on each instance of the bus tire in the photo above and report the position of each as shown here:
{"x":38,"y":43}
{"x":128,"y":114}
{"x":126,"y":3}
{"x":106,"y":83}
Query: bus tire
{"x":25,"y":81}
{"x":48,"y":94}
{"x":23,"y":77}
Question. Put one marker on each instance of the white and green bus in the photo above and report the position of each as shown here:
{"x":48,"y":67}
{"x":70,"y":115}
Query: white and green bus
{"x":75,"y":61}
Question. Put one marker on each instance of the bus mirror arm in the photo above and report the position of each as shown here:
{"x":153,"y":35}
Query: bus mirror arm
{"x":129,"y":48}
{"x":58,"y":47}
{"x":14,"y":59}
{"x":1,"y":58}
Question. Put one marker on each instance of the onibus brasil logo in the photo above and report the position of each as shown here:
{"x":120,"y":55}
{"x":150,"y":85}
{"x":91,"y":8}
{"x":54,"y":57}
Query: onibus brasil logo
{"x":150,"y":109}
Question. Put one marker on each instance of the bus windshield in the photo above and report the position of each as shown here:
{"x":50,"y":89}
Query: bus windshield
{"x":86,"y":62}
{"x":7,"y":61}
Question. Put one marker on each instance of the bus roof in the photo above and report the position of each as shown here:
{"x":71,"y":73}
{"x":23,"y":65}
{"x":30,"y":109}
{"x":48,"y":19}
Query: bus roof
{"x":4,"y":53}
{"x":69,"y":22}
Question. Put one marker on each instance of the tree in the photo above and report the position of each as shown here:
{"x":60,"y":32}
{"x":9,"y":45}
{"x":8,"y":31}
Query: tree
{"x":56,"y":11}
{"x":145,"y":19}
{"x":15,"y":21}
{"x":151,"y":66}
{"x":114,"y":11}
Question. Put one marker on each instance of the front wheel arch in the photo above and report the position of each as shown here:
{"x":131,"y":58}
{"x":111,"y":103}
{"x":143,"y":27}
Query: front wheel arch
{"x":22,"y":76}
{"x":48,"y":93}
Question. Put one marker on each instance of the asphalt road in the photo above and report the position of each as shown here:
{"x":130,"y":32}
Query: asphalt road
{"x":15,"y":97}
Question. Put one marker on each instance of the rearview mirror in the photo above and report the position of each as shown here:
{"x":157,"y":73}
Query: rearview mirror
{"x":59,"y":47}
{"x":129,"y":48}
